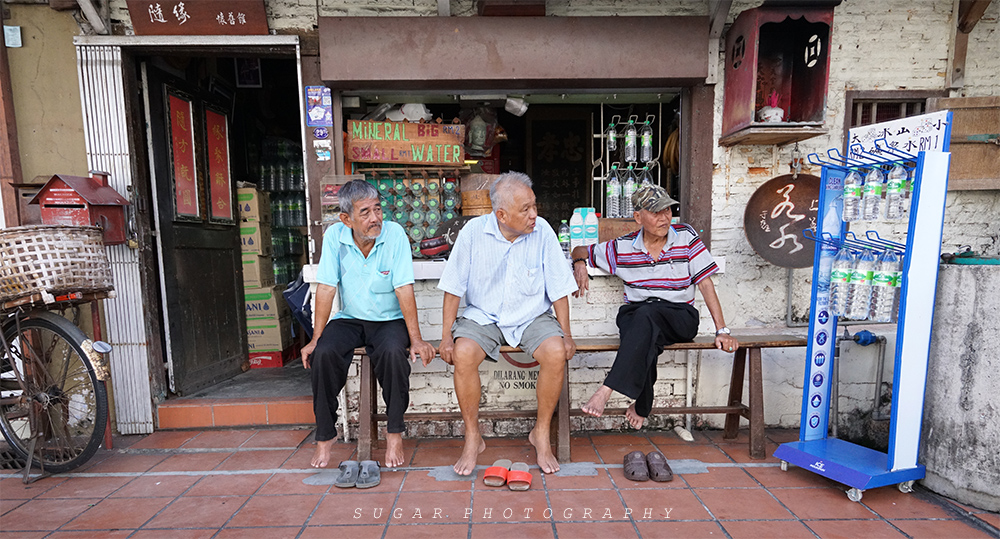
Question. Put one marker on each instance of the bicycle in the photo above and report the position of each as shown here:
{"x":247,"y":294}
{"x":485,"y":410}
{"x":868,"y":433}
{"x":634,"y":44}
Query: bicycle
{"x":53,"y":400}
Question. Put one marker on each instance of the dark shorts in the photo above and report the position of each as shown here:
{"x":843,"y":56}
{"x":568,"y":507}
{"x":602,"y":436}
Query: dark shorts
{"x":490,"y":338}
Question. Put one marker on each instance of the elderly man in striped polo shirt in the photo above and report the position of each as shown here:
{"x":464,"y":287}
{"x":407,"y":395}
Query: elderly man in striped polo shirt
{"x":512,"y":272}
{"x":661,"y":264}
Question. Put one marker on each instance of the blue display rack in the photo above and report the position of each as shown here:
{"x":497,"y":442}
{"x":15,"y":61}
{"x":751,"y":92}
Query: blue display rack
{"x":922,"y":143}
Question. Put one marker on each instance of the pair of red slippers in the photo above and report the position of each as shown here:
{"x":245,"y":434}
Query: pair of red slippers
{"x":639,"y":467}
{"x":515,"y":475}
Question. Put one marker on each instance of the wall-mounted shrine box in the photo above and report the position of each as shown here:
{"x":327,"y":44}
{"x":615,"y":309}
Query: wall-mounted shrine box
{"x":79,"y":201}
{"x":777,"y":71}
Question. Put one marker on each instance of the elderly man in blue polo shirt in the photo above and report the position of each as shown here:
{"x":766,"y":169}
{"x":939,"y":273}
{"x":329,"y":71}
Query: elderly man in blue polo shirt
{"x":661,"y":265}
{"x":509,"y":266}
{"x":370,"y":261}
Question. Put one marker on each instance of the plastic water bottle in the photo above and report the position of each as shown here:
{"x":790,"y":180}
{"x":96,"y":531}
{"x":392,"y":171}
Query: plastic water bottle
{"x":859,"y":293}
{"x":628,"y":187}
{"x":611,"y":138}
{"x":591,"y":227}
{"x":895,"y":193}
{"x":852,"y":197}
{"x":871,"y":201}
{"x":576,"y":228}
{"x":840,"y":278}
{"x":885,"y":285}
{"x":630,"y":142}
{"x":645,"y":178}
{"x":613,"y":200}
{"x":646,"y":143}
{"x":564,"y":238}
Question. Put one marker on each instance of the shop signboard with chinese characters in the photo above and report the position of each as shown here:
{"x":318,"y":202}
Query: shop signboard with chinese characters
{"x":198,"y":17}
{"x":406,"y":143}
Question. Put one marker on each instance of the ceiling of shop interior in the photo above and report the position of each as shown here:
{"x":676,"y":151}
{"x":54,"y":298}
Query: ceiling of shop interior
{"x":608,"y":97}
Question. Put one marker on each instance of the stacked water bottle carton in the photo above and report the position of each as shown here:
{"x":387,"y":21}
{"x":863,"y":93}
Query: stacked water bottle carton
{"x":269,"y":336}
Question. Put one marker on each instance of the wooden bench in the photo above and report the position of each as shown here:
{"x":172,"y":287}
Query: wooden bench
{"x":750,"y":345}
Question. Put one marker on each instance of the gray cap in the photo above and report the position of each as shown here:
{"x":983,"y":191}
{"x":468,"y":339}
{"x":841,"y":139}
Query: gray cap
{"x":652,"y":198}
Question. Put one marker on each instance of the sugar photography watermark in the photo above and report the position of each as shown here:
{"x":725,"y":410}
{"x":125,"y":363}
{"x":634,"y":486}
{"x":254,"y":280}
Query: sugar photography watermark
{"x":510,"y":514}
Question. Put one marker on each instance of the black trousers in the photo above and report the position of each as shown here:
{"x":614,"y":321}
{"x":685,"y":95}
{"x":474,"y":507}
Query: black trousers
{"x":645,"y":329}
{"x":386,"y":343}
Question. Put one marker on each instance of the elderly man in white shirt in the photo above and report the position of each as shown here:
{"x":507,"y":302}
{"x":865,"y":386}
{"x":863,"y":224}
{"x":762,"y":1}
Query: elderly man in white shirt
{"x":509,"y":266}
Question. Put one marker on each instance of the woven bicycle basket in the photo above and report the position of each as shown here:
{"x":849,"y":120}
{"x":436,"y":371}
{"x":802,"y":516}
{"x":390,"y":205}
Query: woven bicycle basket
{"x":52,"y":260}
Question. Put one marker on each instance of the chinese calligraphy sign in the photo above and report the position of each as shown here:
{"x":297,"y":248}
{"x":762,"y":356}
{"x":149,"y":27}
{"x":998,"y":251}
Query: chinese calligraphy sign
{"x":198,"y":17}
{"x":777,"y":214}
{"x":182,"y":150}
{"x":220,"y":187}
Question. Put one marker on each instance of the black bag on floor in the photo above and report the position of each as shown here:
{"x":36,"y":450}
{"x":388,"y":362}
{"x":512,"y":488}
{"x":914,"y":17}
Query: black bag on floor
{"x":297,"y":296}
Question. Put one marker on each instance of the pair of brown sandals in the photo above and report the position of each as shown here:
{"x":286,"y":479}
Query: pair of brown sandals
{"x":639,"y":467}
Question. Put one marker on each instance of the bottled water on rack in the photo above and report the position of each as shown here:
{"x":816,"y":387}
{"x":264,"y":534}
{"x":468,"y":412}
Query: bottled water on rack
{"x":840,"y":278}
{"x":895,"y":193}
{"x":852,"y":196}
{"x":297,"y":181}
{"x":613,"y":199}
{"x":630,"y":142}
{"x":628,"y":187}
{"x":611,"y":138}
{"x":646,"y":143}
{"x":885,"y":286}
{"x":564,"y":238}
{"x":645,"y":178}
{"x":871,"y":201}
{"x":859,"y":293}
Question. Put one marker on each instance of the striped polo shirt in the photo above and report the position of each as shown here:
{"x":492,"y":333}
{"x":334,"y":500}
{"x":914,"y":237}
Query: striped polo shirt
{"x":670,"y":276}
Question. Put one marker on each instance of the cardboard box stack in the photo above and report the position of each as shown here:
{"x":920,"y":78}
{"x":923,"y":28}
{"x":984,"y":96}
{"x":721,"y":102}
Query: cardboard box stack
{"x":269,"y":336}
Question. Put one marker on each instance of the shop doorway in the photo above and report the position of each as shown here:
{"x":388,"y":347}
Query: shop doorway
{"x":198,"y":234}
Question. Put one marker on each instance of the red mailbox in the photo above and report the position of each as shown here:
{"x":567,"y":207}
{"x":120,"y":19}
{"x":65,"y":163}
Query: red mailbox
{"x":79,"y":201}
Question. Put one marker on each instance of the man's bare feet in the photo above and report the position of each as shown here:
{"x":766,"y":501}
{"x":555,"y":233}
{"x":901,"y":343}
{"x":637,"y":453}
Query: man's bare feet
{"x":595,"y":406}
{"x":633,"y":418}
{"x":393,"y":449}
{"x":543,"y":451}
{"x":474,"y":445}
{"x":321,"y":458}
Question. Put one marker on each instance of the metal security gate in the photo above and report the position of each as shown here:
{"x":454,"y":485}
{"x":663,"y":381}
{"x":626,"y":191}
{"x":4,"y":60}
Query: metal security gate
{"x":105,"y":127}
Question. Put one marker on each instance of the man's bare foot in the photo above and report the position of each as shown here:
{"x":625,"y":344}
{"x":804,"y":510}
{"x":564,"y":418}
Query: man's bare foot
{"x":595,"y":406}
{"x":633,"y":418}
{"x":543,"y":451}
{"x":393,"y":449}
{"x":474,"y":445}
{"x":321,"y":458}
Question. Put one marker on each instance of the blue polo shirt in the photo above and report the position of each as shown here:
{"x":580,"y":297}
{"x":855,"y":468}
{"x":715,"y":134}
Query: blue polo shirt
{"x":367,"y":285}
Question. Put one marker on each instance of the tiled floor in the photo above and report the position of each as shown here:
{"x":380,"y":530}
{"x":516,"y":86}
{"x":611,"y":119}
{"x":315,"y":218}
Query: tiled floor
{"x":257,"y":483}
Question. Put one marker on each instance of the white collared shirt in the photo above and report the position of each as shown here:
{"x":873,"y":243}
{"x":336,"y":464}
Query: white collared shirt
{"x":507,"y":283}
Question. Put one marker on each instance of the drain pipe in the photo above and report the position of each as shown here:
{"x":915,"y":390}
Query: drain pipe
{"x":863,"y":338}
{"x":878,"y":380}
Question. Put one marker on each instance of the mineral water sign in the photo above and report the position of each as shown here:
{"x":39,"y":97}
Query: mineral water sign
{"x":405,"y":143}
{"x":924,"y":133}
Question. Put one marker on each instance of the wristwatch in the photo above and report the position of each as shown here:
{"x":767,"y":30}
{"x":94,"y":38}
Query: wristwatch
{"x":723,"y":331}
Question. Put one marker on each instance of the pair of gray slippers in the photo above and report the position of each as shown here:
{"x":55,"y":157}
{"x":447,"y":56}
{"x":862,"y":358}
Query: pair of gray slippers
{"x":364,"y":474}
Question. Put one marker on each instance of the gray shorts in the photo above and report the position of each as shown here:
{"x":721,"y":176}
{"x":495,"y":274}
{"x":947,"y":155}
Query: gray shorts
{"x":489,"y":337}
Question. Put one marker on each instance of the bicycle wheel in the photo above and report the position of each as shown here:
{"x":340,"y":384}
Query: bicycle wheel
{"x":61,"y":396}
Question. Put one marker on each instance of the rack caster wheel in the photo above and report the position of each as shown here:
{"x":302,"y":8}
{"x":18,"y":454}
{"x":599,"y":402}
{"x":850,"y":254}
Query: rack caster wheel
{"x":784,"y":465}
{"x":854,"y":495}
{"x":906,"y":487}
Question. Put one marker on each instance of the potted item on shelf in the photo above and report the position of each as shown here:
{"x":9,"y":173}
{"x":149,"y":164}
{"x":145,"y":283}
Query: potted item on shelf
{"x":771,"y":113}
